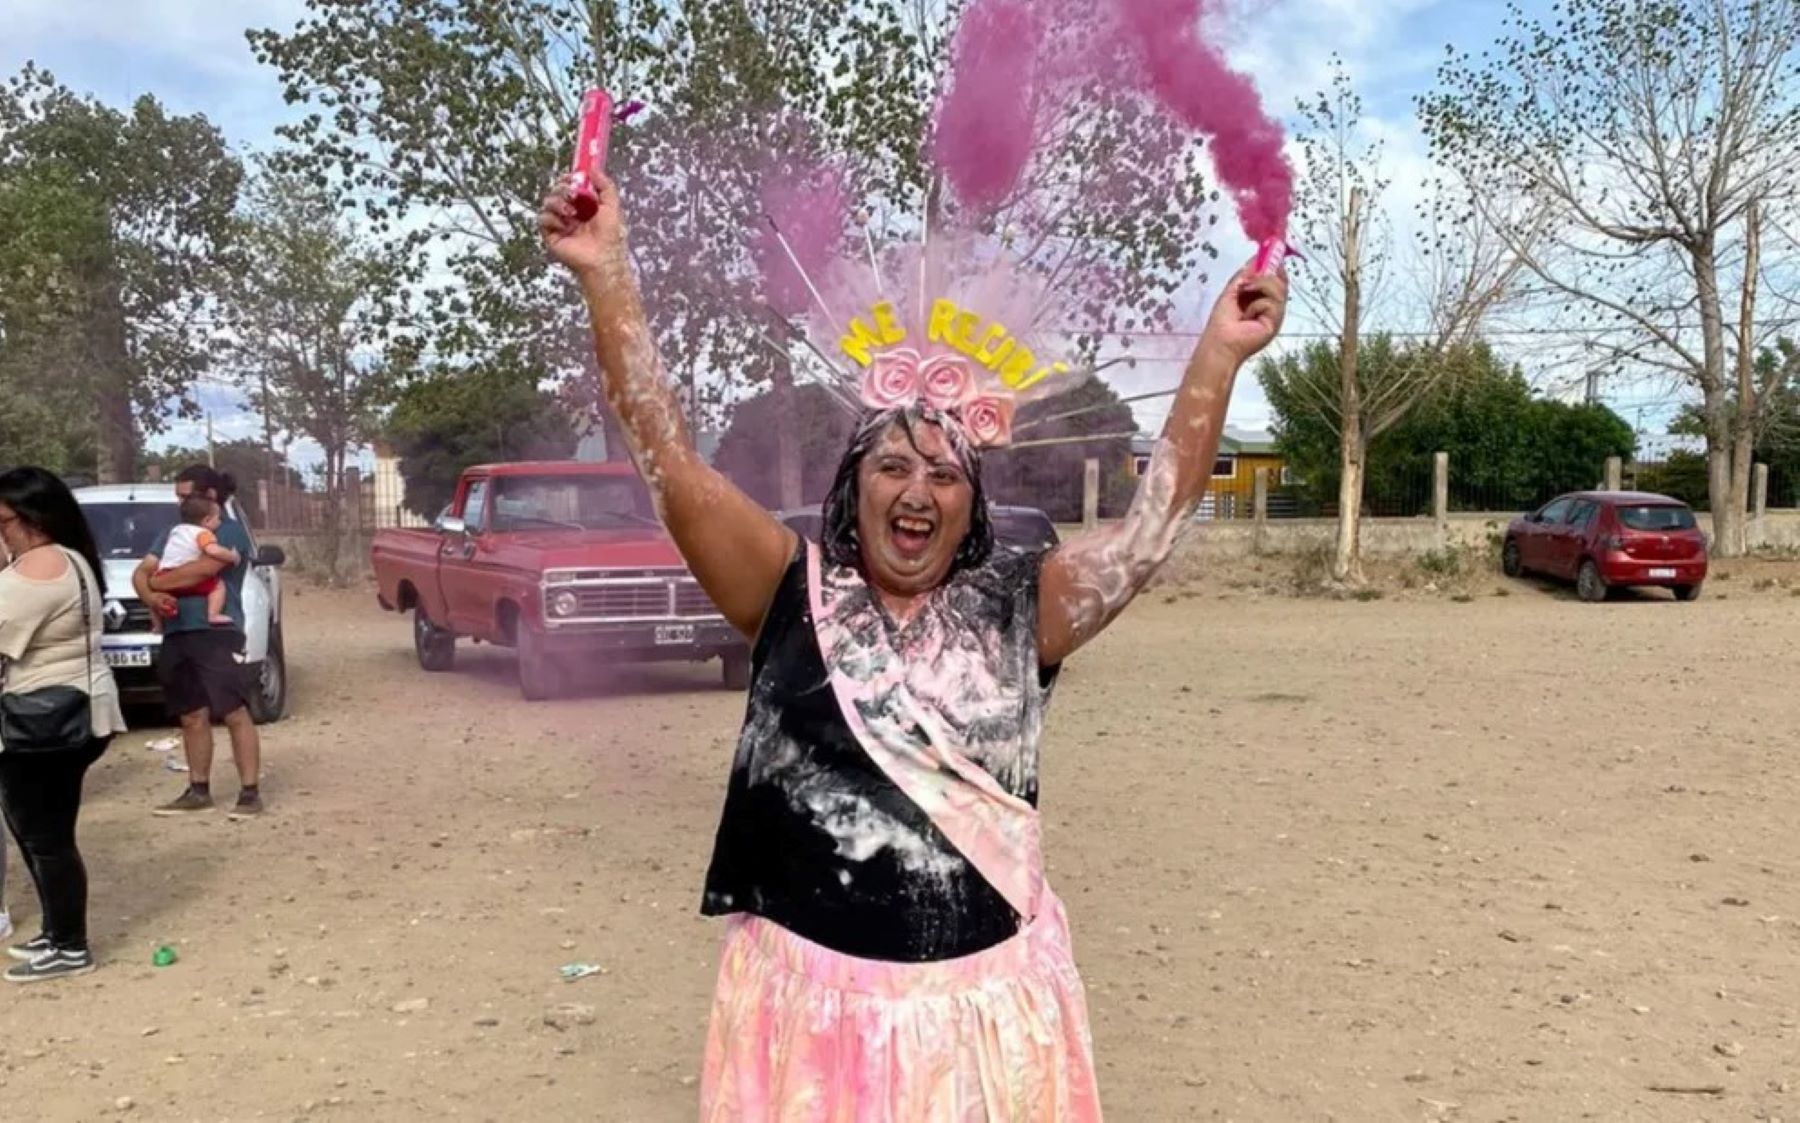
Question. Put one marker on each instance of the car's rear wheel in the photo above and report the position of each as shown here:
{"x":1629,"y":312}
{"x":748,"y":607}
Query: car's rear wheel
{"x":1687,"y":592}
{"x":269,"y":699}
{"x":1589,"y":585}
{"x":1512,"y":563}
{"x":435,"y":646}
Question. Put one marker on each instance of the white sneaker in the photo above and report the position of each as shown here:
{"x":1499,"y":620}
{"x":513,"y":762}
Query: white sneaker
{"x":6,"y":928}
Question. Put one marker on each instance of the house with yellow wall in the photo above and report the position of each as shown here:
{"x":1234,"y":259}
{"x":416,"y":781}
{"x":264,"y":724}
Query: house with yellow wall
{"x":1232,"y":490}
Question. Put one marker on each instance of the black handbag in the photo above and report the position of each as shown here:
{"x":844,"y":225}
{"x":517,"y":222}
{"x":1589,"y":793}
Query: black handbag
{"x":54,"y":718}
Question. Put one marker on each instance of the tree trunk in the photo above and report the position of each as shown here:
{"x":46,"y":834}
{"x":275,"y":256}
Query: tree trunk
{"x":116,"y":444}
{"x":1746,"y":418}
{"x":788,"y":482}
{"x":1346,"y":565}
{"x":333,"y":530}
{"x":1727,"y":519}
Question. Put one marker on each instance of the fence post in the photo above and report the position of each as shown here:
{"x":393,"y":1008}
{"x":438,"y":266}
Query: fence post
{"x":1440,"y":492}
{"x":1615,"y":474}
{"x":1759,"y":491}
{"x":1090,"y":494}
{"x":1259,"y":510}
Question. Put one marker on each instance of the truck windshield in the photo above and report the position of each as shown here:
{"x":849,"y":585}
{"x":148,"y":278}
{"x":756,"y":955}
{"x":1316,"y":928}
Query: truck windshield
{"x":128,"y":530}
{"x":571,"y":502}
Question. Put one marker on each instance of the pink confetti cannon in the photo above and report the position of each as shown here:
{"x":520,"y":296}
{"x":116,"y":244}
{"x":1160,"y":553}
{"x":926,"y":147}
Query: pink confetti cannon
{"x":590,"y":152}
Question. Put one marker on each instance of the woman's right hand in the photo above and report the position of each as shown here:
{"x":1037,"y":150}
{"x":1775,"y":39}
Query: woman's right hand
{"x":583,"y":246}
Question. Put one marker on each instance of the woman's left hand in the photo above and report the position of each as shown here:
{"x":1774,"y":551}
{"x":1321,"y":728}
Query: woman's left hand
{"x":1248,"y":314}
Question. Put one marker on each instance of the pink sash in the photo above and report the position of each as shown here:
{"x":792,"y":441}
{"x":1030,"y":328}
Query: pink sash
{"x":997,"y":832}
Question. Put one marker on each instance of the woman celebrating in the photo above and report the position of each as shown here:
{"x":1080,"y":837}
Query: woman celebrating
{"x":51,"y":592}
{"x":894,"y":954}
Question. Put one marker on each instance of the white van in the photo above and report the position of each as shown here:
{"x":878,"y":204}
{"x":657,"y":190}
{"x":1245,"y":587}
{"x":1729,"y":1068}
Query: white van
{"x":126,"y":520}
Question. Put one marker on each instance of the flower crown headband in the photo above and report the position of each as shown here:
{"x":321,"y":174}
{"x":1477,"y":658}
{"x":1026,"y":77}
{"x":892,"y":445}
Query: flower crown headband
{"x":951,"y":384}
{"x":897,"y":379}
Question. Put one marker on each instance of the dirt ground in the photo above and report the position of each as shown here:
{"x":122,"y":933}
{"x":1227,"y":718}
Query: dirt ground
{"x":1506,"y":857}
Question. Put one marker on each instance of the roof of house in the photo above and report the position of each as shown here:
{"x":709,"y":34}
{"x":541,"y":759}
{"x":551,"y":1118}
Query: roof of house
{"x":1234,"y":442}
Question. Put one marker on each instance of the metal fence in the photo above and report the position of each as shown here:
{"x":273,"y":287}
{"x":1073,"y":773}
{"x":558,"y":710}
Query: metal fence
{"x":368,"y":502}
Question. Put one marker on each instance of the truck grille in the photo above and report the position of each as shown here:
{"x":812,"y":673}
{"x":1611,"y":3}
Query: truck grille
{"x":643,"y":595}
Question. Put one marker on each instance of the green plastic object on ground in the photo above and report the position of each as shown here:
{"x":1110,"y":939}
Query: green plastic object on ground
{"x":164,"y":956}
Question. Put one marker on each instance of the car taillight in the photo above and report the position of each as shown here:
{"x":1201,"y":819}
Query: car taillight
{"x":1615,"y":542}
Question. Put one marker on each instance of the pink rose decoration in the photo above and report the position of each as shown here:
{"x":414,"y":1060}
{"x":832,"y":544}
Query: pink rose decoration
{"x":892,"y":380}
{"x":988,"y":421}
{"x":945,"y":382}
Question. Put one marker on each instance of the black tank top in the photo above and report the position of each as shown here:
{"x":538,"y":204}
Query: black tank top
{"x":815,"y":837}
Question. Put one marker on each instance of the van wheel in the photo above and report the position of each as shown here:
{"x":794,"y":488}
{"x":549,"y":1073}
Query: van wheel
{"x":435,"y":646}
{"x":1687,"y":592}
{"x":737,"y":670}
{"x":1589,"y":585}
{"x":1512,"y":563}
{"x":539,"y":677}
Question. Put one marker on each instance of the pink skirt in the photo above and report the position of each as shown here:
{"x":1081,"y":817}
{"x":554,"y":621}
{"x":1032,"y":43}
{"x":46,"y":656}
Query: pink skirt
{"x":803,"y":1034}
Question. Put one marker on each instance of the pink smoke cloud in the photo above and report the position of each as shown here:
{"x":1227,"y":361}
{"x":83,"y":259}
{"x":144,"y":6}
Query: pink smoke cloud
{"x":983,"y":135}
{"x":1192,"y":79}
{"x":1015,"y":62}
{"x":810,"y":210}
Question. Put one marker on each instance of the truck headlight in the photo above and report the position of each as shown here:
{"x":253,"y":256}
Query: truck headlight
{"x":564,"y":603}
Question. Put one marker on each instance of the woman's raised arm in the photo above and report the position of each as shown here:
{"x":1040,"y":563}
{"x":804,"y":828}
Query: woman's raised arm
{"x":1089,"y":579}
{"x":737,"y":551}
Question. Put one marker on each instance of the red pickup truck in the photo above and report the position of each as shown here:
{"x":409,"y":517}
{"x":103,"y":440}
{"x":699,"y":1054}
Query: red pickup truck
{"x":563,"y":561}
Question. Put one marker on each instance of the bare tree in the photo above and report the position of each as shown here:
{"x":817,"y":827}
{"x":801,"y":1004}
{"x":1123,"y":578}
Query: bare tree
{"x":1648,"y":142}
{"x":1341,"y":220}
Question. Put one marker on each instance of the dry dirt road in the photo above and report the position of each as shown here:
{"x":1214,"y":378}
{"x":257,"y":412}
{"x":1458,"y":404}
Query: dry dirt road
{"x":1514,"y":858}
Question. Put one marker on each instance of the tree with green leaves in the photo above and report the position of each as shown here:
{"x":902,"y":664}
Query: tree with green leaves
{"x":312,"y":310}
{"x":113,"y":228}
{"x":1509,"y":449}
{"x":463,"y":112}
{"x":1652,"y":143}
{"x":452,"y":418}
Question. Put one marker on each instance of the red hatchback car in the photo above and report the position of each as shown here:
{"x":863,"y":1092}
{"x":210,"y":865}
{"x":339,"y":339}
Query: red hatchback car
{"x":1605,"y":540}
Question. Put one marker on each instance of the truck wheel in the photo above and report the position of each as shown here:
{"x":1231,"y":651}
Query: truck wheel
{"x":539,"y":677}
{"x":269,"y":694}
{"x":737,"y":670}
{"x":435,"y":646}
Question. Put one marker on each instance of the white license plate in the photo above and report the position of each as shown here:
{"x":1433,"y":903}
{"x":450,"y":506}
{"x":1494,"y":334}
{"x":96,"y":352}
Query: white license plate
{"x":1656,"y":574}
{"x":128,"y":657}
{"x":674,"y":633}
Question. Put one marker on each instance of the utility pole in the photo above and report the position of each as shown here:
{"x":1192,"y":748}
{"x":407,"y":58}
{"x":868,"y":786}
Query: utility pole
{"x":212,"y":458}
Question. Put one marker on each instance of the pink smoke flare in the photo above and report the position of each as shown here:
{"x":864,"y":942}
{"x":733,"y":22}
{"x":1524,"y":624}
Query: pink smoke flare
{"x":1192,"y":79}
{"x":983,"y":135}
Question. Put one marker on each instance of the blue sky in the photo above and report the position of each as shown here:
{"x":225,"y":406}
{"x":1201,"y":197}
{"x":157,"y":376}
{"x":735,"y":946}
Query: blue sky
{"x":195,"y":59}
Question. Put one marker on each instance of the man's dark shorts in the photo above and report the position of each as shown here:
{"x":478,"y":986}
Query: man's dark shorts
{"x":204,"y":671}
